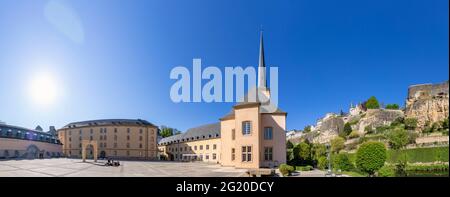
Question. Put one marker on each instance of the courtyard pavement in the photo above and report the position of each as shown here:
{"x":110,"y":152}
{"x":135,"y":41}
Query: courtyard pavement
{"x":63,"y":167}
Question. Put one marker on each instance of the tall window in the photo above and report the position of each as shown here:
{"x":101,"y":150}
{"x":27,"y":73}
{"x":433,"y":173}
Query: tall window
{"x":233,"y":134}
{"x":268,"y":133}
{"x":233,"y":155}
{"x":268,"y":154}
{"x":246,"y":127}
{"x":201,"y":147}
{"x":214,"y":146}
{"x":246,"y":153}
{"x":214,"y":156}
{"x":207,"y":147}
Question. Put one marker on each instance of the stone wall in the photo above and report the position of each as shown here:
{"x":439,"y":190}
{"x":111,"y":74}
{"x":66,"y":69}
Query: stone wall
{"x":427,"y":103}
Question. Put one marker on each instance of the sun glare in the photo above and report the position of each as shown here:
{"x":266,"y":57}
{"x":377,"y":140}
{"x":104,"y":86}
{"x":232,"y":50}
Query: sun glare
{"x":43,"y":89}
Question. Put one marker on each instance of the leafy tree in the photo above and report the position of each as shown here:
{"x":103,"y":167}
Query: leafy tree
{"x":445,"y":124}
{"x":289,"y":145}
{"x":318,"y":150}
{"x":371,"y":156}
{"x":410,"y":123}
{"x":167,"y":131}
{"x":302,"y":152}
{"x":398,"y":138}
{"x":307,"y":129}
{"x":372,"y":103}
{"x":342,"y":162}
{"x":337,"y":144}
{"x":353,"y":134}
{"x":289,"y":155}
{"x":368,"y":129}
{"x":347,"y":130}
{"x":392,"y":106}
{"x":322,"y":163}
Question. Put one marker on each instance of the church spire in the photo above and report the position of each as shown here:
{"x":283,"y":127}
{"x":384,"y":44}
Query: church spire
{"x":262,"y":83}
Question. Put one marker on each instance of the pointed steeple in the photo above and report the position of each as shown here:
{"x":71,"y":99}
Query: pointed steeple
{"x":262,"y":83}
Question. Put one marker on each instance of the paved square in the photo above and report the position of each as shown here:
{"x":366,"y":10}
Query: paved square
{"x":76,"y":168}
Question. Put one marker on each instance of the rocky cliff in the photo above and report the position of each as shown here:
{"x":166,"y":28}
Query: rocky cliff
{"x":427,"y":103}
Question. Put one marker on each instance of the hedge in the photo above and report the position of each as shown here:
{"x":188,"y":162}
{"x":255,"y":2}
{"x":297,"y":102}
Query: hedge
{"x":414,"y":155}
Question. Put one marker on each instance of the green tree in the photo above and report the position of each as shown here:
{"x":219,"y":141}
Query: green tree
{"x":307,"y":129}
{"x":289,"y":145}
{"x":392,"y":106}
{"x":322,"y":163}
{"x":302,"y":152}
{"x":289,"y":155}
{"x":318,"y":150}
{"x":342,"y":162}
{"x":347,"y":130}
{"x":337,"y":144}
{"x":372,"y":103}
{"x":166,"y":131}
{"x":410,"y":123}
{"x":371,"y":156}
{"x":398,"y":138}
{"x":445,"y":124}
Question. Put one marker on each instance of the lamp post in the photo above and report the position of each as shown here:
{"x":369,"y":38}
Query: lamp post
{"x":329,"y":172}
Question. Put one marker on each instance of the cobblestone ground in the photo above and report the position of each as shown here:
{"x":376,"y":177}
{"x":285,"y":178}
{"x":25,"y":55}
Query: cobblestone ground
{"x":76,"y":168}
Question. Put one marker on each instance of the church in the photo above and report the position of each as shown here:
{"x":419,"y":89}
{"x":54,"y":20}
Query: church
{"x":247,"y":137}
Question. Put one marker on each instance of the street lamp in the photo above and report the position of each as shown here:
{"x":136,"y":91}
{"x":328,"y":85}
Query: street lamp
{"x":329,"y":172}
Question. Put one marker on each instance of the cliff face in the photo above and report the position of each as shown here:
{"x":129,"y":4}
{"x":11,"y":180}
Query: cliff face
{"x":377,"y":117}
{"x":428,"y":103}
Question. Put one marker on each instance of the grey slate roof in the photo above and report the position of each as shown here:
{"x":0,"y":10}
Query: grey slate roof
{"x":208,"y":131}
{"x":107,"y":122}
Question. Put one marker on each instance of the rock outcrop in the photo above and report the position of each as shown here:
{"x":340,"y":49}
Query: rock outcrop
{"x":377,"y":117}
{"x":427,"y":103}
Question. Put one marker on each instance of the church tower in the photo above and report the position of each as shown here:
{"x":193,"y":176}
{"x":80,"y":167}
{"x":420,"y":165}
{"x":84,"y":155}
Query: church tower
{"x":262,"y":82}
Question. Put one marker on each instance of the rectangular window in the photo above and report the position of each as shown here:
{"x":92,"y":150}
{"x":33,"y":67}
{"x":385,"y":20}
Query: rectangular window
{"x":268,"y":133}
{"x":214,"y":146}
{"x":214,"y":156}
{"x":233,"y":134}
{"x":207,"y":147}
{"x":246,"y":128}
{"x":201,"y":147}
{"x":246,"y":154}
{"x":207,"y":157}
{"x":233,"y":155}
{"x":268,"y":153}
{"x":195,"y":147}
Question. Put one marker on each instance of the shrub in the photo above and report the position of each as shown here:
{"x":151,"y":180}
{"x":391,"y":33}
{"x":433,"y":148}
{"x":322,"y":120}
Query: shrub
{"x":347,"y":130}
{"x":304,"y":168}
{"x":382,"y":129}
{"x":289,"y":145}
{"x":398,"y":121}
{"x":337,"y":144}
{"x":386,"y":171}
{"x":342,"y":162}
{"x":322,"y":163}
{"x":410,"y":123}
{"x":368,"y":129}
{"x":289,"y":155}
{"x":372,"y":103}
{"x":392,"y":106}
{"x":370,"y":157}
{"x":445,"y":124}
{"x":398,"y":138}
{"x":286,"y":169}
{"x":353,"y":134}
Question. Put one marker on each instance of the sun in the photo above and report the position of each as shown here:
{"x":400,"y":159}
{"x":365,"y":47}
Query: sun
{"x":43,"y":89}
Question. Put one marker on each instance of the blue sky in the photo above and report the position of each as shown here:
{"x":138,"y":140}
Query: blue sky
{"x":112,"y":59}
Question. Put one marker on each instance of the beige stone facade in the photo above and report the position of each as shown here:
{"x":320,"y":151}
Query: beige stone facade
{"x":118,"y":138}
